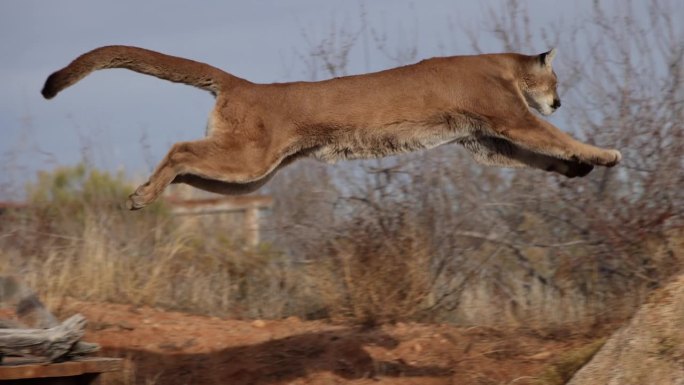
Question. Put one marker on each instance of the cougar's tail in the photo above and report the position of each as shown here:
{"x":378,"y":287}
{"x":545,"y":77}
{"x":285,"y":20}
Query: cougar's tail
{"x":148,"y":62}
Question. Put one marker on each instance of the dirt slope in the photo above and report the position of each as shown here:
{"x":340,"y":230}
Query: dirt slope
{"x":176,"y":348}
{"x":648,"y":350}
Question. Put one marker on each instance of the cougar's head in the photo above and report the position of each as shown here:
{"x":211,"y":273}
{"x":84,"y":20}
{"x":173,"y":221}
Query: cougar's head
{"x":540,"y":83}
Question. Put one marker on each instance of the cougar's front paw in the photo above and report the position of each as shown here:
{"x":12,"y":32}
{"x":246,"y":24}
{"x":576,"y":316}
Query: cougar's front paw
{"x":606,"y":158}
{"x":614,"y":158}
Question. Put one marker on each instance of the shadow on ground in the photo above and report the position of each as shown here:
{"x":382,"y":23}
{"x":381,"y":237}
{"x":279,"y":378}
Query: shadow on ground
{"x":278,"y":361}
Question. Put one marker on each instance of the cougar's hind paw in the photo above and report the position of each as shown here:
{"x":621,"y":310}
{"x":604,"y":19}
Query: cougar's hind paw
{"x":137,"y":200}
{"x":134,"y":202}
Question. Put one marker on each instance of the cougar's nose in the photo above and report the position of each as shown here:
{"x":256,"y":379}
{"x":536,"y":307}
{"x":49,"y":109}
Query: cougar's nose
{"x":556,"y":103}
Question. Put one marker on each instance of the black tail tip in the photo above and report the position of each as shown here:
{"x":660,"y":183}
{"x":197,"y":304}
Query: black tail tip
{"x":49,"y":90}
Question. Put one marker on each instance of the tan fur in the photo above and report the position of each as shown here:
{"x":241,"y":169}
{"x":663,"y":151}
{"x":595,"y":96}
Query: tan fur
{"x":481,"y":102}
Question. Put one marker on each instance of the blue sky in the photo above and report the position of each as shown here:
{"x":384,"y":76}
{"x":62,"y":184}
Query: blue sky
{"x":120,"y":119}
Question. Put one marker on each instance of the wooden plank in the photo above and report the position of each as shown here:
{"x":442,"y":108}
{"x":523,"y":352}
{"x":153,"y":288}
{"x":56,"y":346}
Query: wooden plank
{"x":219,"y":205}
{"x":14,"y":369}
{"x":251,"y":226}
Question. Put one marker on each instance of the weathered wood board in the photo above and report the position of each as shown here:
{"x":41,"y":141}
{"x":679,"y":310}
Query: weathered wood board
{"x":23,"y":368}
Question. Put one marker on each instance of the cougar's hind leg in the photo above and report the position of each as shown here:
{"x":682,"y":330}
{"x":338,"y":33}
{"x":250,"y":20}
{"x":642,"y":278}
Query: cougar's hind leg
{"x":232,"y":188}
{"x":220,"y":187}
{"x":208,"y":160}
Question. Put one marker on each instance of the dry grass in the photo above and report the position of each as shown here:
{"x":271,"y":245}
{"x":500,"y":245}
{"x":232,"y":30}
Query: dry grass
{"x":378,"y":264}
{"x":375,"y":273}
{"x":75,"y":241}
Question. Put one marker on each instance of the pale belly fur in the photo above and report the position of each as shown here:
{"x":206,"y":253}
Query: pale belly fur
{"x":403,"y":139}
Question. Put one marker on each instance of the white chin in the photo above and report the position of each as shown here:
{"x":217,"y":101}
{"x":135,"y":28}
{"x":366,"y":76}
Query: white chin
{"x":546,"y":111}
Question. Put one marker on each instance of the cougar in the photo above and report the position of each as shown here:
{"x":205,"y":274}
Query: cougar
{"x":482,"y":102}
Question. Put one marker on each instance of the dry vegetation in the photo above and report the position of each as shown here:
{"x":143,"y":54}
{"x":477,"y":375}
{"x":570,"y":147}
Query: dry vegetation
{"x":430,"y":236}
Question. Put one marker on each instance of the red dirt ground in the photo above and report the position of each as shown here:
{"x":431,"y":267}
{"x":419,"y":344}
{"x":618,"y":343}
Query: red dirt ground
{"x":174,"y":348}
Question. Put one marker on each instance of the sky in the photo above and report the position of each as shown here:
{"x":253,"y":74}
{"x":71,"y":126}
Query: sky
{"x":118,"y":119}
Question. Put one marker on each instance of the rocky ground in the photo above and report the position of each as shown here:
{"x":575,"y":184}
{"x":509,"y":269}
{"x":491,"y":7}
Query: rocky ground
{"x":163,"y":347}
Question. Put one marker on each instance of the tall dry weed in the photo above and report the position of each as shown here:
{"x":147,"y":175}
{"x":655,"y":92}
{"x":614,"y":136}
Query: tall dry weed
{"x":375,"y":270}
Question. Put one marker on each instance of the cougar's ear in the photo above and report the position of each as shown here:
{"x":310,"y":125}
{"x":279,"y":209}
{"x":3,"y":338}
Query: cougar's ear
{"x":546,"y":58}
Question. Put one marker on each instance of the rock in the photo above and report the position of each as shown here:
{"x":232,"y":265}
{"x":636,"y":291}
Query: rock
{"x":259,"y":323}
{"x":648,"y":350}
